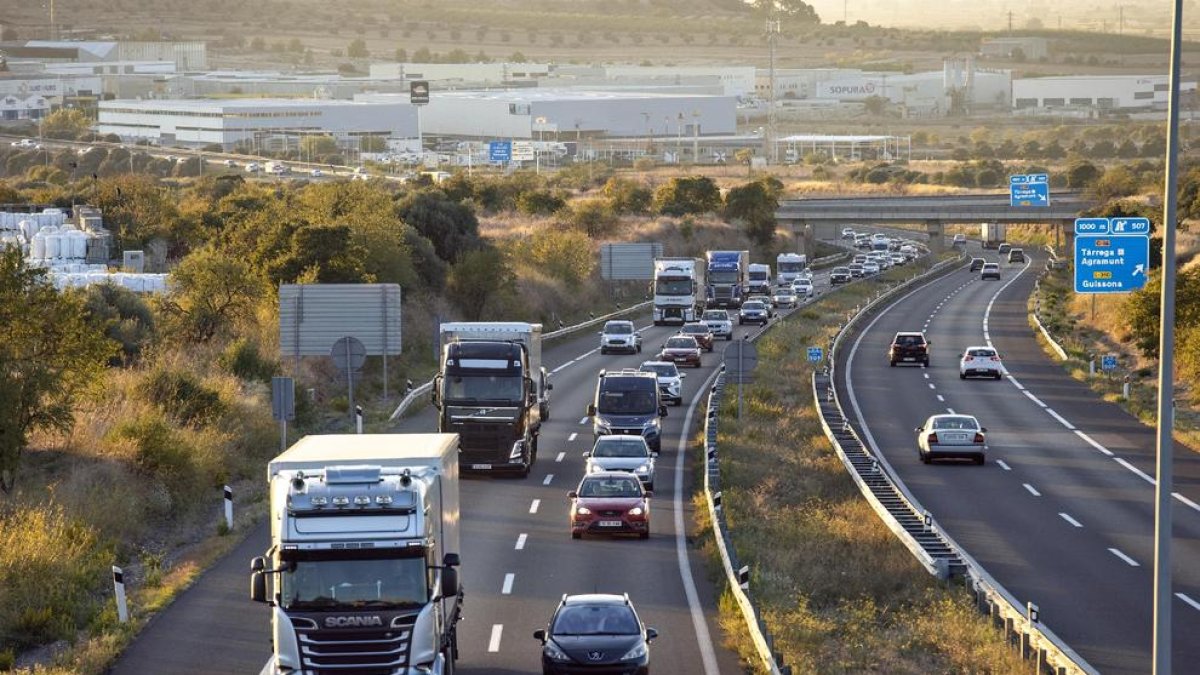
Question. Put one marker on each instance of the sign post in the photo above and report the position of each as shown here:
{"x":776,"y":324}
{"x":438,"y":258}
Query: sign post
{"x":348,"y":356}
{"x":500,"y":151}
{"x":1108,"y":363}
{"x":741,"y":358}
{"x":1029,"y":190}
{"x":283,"y":405}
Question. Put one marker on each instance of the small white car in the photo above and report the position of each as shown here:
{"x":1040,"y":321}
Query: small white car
{"x":784,"y":296}
{"x":951,"y":437}
{"x":622,"y":453}
{"x":960,"y":240}
{"x":23,"y":143}
{"x":316,"y":173}
{"x":870,"y":267}
{"x":718,"y":322}
{"x":620,"y":336}
{"x":804,"y":288}
{"x":990,"y":271}
{"x":848,"y":233}
{"x":253,"y":167}
{"x":898,"y":259}
{"x":670,"y":380}
{"x":979,"y":361}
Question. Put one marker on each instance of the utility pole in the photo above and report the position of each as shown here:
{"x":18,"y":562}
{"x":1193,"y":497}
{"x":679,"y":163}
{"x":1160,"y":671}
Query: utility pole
{"x":1010,"y":15}
{"x":1121,"y":20}
{"x":770,"y":151}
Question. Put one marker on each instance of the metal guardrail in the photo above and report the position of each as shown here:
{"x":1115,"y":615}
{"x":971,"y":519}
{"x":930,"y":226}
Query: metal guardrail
{"x":422,"y":390}
{"x":933,"y":548}
{"x":1037,"y":306}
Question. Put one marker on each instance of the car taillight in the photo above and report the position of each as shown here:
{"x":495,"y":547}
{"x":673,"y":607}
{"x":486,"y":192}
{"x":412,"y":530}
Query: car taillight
{"x":931,"y":438}
{"x":978,"y":437}
{"x":995,"y":358}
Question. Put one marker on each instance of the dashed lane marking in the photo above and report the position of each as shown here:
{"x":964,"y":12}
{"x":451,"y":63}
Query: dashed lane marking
{"x":549,"y":477}
{"x":1183,"y":596}
{"x":1129,"y":561}
{"x":1002,"y":465}
{"x":506,"y":589}
{"x":494,"y":641}
{"x":1070,"y":520}
{"x":571,"y":437}
{"x":941,"y":399}
{"x":951,"y":411}
{"x":560,"y":456}
{"x":1032,"y":490}
{"x":521,"y":538}
{"x":583,"y":420}
{"x":534,"y":506}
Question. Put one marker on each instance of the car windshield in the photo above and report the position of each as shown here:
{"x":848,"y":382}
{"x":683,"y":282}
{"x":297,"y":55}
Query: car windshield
{"x":752,"y":305}
{"x":991,"y":266}
{"x":661,"y":369}
{"x":716,"y":316}
{"x":340,"y":585}
{"x":681,"y":343}
{"x":910,"y":340}
{"x":627,"y":402}
{"x":723,"y":277}
{"x":618,"y":329}
{"x":960,"y":423}
{"x":614,"y":486}
{"x":595,"y":620}
{"x":981,"y":353}
{"x":611,"y":447}
{"x":474,"y":388}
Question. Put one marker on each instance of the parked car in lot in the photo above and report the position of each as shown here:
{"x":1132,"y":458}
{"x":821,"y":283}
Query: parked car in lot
{"x":681,"y":349}
{"x":840,"y":275}
{"x":803,"y":288}
{"x":700,"y":331}
{"x":718,"y":322}
{"x":595,"y":633}
{"x":622,"y":453}
{"x":951,"y":437}
{"x":977,"y":264}
{"x":908,"y":347}
{"x":784,"y":296}
{"x":620,"y":336}
{"x":990,"y":271}
{"x":1016,"y":255}
{"x":979,"y":361}
{"x":753,"y":312}
{"x":610,"y":502}
{"x":670,"y":380}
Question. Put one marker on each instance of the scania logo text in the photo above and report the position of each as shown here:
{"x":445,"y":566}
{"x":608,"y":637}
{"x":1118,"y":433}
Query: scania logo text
{"x":352,"y":621}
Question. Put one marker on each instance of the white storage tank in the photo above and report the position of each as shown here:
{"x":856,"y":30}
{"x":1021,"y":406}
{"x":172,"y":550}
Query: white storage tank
{"x":78,"y":245}
{"x":53,"y":243}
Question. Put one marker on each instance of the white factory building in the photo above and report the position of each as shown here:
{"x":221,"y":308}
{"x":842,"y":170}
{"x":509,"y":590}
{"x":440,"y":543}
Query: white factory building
{"x":475,"y":73}
{"x":31,"y":95}
{"x":199,"y":122}
{"x":1101,"y":92}
{"x":734,"y":80}
{"x":929,"y":92}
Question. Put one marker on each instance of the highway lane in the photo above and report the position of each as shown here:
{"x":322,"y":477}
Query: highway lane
{"x":1054,"y":519}
{"x":510,"y":527}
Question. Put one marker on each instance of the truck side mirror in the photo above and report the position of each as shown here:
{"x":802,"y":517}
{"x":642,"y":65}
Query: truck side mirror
{"x":591,"y":410}
{"x":549,"y":386}
{"x":540,"y":635}
{"x":258,"y":580}
{"x":449,"y":582}
{"x":433,"y":392}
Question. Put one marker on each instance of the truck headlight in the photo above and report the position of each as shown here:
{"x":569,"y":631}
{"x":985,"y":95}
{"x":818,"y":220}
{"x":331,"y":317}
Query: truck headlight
{"x":518,"y":449}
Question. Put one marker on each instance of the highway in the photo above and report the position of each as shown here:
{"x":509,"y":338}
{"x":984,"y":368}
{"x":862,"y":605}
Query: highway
{"x":518,"y":556}
{"x":1062,"y":513}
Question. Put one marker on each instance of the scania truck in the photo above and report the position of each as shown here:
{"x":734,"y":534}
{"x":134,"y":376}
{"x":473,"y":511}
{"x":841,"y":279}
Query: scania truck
{"x":492,"y":390}
{"x":727,"y":278}
{"x":789,"y":267}
{"x":362,"y":571}
{"x":678,"y":289}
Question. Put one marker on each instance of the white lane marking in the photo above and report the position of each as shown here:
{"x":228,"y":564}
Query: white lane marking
{"x":572,"y":436}
{"x":1016,"y":384}
{"x":534,"y":506}
{"x":560,"y":456}
{"x":1002,"y":465}
{"x":941,"y":398}
{"x":1195,"y":605}
{"x":708,"y":655}
{"x":1070,"y":520}
{"x":1093,"y":443}
{"x":494,"y":641}
{"x":951,"y":411}
{"x":549,"y":477}
{"x":1141,"y":474}
{"x":1060,"y":419}
{"x":568,"y":363}
{"x":1032,"y":490}
{"x":1130,"y":561}
{"x":926,"y":375}
{"x":583,"y":420}
{"x":1185,"y":500}
{"x":521,"y":538}
{"x":1033,"y":398}
{"x":506,"y":589}
{"x":931,"y":386}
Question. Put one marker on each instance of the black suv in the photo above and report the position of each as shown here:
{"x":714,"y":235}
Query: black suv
{"x":977,"y":264}
{"x":909,"y":348}
{"x":1016,"y":255}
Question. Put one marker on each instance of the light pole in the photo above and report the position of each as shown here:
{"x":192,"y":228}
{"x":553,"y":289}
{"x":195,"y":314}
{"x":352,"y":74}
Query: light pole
{"x":696,"y":136}
{"x":649,"y":134}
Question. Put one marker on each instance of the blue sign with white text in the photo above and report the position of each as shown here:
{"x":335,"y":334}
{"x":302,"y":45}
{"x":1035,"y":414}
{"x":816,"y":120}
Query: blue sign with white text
{"x":1108,"y":362}
{"x":815,"y":354}
{"x":500,"y":151}
{"x":1091,"y":226}
{"x":1029,"y":190}
{"x":1111,"y":263}
{"x":1130,"y":226}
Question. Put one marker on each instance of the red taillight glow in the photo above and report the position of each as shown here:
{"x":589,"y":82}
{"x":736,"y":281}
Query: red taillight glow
{"x":931,"y":438}
{"x":995,"y":358}
{"x":978,"y":437}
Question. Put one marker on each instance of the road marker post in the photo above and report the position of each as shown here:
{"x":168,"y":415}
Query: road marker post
{"x":119,"y":589}
{"x":229,"y":508}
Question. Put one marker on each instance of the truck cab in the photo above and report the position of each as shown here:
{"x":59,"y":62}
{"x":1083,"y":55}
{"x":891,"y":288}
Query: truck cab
{"x":790,"y":266}
{"x":677,"y":287}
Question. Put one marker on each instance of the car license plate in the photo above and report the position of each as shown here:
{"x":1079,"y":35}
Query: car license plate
{"x":481,"y":467}
{"x":610,"y":523}
{"x":956,"y":437}
{"x":910,"y":358}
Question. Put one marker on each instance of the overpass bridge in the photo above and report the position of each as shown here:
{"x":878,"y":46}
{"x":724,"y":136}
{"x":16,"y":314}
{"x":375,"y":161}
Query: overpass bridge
{"x":823,"y":218}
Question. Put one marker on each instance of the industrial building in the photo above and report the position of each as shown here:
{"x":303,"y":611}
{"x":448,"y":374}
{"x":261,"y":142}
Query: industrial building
{"x":197,"y":123}
{"x":564,"y":114}
{"x":30,"y":92}
{"x":734,"y":80}
{"x":190,"y":55}
{"x":275,"y":84}
{"x":928,"y":93}
{"x":1095,"y":92}
{"x":483,"y":74}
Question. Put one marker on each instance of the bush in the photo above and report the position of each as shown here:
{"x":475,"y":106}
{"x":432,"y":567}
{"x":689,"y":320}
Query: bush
{"x":157,"y":450}
{"x":693,"y":194}
{"x":539,"y":202}
{"x":124,"y":317}
{"x":182,"y":396}
{"x":594,"y":217}
{"x":243,"y":359}
{"x":627,"y":196}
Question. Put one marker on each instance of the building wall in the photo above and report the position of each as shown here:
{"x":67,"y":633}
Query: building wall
{"x":1128,"y":92}
{"x":464,"y":72}
{"x":50,"y":87}
{"x":1034,"y":48}
{"x":185,"y":55}
{"x":737,"y":80}
{"x":31,"y":107}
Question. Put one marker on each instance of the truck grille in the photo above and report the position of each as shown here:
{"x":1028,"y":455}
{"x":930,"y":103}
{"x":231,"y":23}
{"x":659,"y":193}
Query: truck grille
{"x":362,"y":652}
{"x":484,"y":437}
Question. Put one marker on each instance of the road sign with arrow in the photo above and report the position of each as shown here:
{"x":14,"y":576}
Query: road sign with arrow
{"x":1111,"y":263}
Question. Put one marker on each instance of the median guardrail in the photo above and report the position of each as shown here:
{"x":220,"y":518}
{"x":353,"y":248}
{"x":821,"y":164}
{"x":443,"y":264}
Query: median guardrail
{"x":918,"y":530}
{"x":418,"y":392}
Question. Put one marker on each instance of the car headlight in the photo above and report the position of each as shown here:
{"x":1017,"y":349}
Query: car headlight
{"x":593,"y":468}
{"x":602,"y":428}
{"x":582,"y":511}
{"x":553,"y":653}
{"x":645,"y":468}
{"x":636,"y":511}
{"x":638,"y":651}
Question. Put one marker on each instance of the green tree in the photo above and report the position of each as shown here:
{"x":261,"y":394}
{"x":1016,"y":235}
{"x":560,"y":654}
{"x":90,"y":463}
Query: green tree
{"x":422,"y":55}
{"x":451,"y":226}
{"x":516,"y":57}
{"x":357,"y":49}
{"x":1142,"y":309}
{"x":540,"y":202}
{"x":317,"y":146}
{"x":875,"y":105}
{"x":123,"y":317}
{"x":692,"y":194}
{"x":753,"y":205}
{"x":1116,"y":182}
{"x":480,"y":279}
{"x":372,"y":144}
{"x":49,"y":354}
{"x":211,"y":292}
{"x":795,"y":10}
{"x":66,"y":123}
{"x":1081,"y":174}
{"x":628,"y":196}
{"x":135,"y":208}
{"x":323,"y":254}
{"x":593,"y":217}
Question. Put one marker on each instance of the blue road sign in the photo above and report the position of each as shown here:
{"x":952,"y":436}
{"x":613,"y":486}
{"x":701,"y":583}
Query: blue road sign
{"x":1130,"y":226}
{"x":1111,"y":263}
{"x":1108,"y":362}
{"x":1091,"y":226}
{"x":815,"y":354}
{"x":500,"y":151}
{"x":1029,"y":190}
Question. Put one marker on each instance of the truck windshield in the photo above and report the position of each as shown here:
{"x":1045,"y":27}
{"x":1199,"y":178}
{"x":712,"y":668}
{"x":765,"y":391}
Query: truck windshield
{"x":790,"y":267}
{"x":723,"y":277}
{"x":627,"y":402}
{"x":673,"y":287}
{"x":479,"y":388}
{"x":341,"y":584}
{"x":758,"y":276}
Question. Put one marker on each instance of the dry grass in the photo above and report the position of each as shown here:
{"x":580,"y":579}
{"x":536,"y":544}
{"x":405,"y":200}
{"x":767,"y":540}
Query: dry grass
{"x":837,"y":590}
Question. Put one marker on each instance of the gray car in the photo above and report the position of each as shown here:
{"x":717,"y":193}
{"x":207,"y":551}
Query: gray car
{"x":951,"y":437}
{"x":623,"y":453}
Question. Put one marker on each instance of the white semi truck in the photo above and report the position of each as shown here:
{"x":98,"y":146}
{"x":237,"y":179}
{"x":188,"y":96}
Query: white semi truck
{"x":362,"y":571}
{"x":789,"y":267}
{"x":678,"y":290}
{"x":993,"y":234}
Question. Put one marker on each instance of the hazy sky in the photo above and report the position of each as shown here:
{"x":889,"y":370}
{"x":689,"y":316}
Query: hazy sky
{"x":1140,"y":16}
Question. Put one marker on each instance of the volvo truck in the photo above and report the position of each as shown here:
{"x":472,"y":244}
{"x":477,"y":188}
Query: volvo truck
{"x":727,"y":278}
{"x":789,"y":267}
{"x":678,"y":288}
{"x":492,"y":390}
{"x":759,"y":279}
{"x":362,"y":570}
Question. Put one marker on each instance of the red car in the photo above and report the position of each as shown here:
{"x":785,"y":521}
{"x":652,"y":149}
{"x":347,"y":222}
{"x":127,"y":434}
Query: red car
{"x":610,"y":502}
{"x":681,"y":349}
{"x":701,"y":332}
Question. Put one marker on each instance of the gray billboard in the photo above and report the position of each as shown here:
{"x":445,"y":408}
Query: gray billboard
{"x":629,"y":262}
{"x":314,"y":316}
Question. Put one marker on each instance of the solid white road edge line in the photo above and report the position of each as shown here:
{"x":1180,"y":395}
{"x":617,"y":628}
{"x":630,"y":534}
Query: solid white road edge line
{"x":494,"y":641}
{"x":506,"y":589}
{"x":1129,"y":561}
{"x":521,"y":538}
{"x":1032,"y":490}
{"x":1070,"y":520}
{"x":708,"y":655}
{"x":1093,"y":443}
{"x":1060,"y":419}
{"x":1140,"y":474}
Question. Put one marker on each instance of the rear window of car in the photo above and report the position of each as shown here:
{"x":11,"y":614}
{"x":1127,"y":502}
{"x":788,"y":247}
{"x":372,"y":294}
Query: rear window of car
{"x":955,"y":423}
{"x":909,"y":340}
{"x":681,"y":343}
{"x":991,"y":266}
{"x":985,"y":353}
{"x":611,"y":487}
{"x":620,"y":448}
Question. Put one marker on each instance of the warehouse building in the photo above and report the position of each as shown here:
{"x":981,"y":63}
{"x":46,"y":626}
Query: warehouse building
{"x":484,"y":74}
{"x":563,"y":114}
{"x":928,"y":93}
{"x":1095,"y":92}
{"x":197,"y":123}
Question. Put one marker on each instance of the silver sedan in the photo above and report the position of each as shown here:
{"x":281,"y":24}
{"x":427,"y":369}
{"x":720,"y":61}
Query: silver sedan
{"x":623,"y":453}
{"x":951,"y":437}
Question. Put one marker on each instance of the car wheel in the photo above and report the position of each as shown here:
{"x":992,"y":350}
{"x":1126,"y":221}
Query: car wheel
{"x":603,"y":351}
{"x":926,"y":363}
{"x":925,"y":458}
{"x":962,"y":376}
{"x":576,"y":535}
{"x":639,"y":349}
{"x":678,"y":402}
{"x":981,"y":460}
{"x":644,"y":535}
{"x":892,"y":363}
{"x":729,"y":337}
{"x":650,"y":486}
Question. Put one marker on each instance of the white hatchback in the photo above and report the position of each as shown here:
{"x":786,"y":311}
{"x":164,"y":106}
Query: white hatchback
{"x":979,"y":361}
